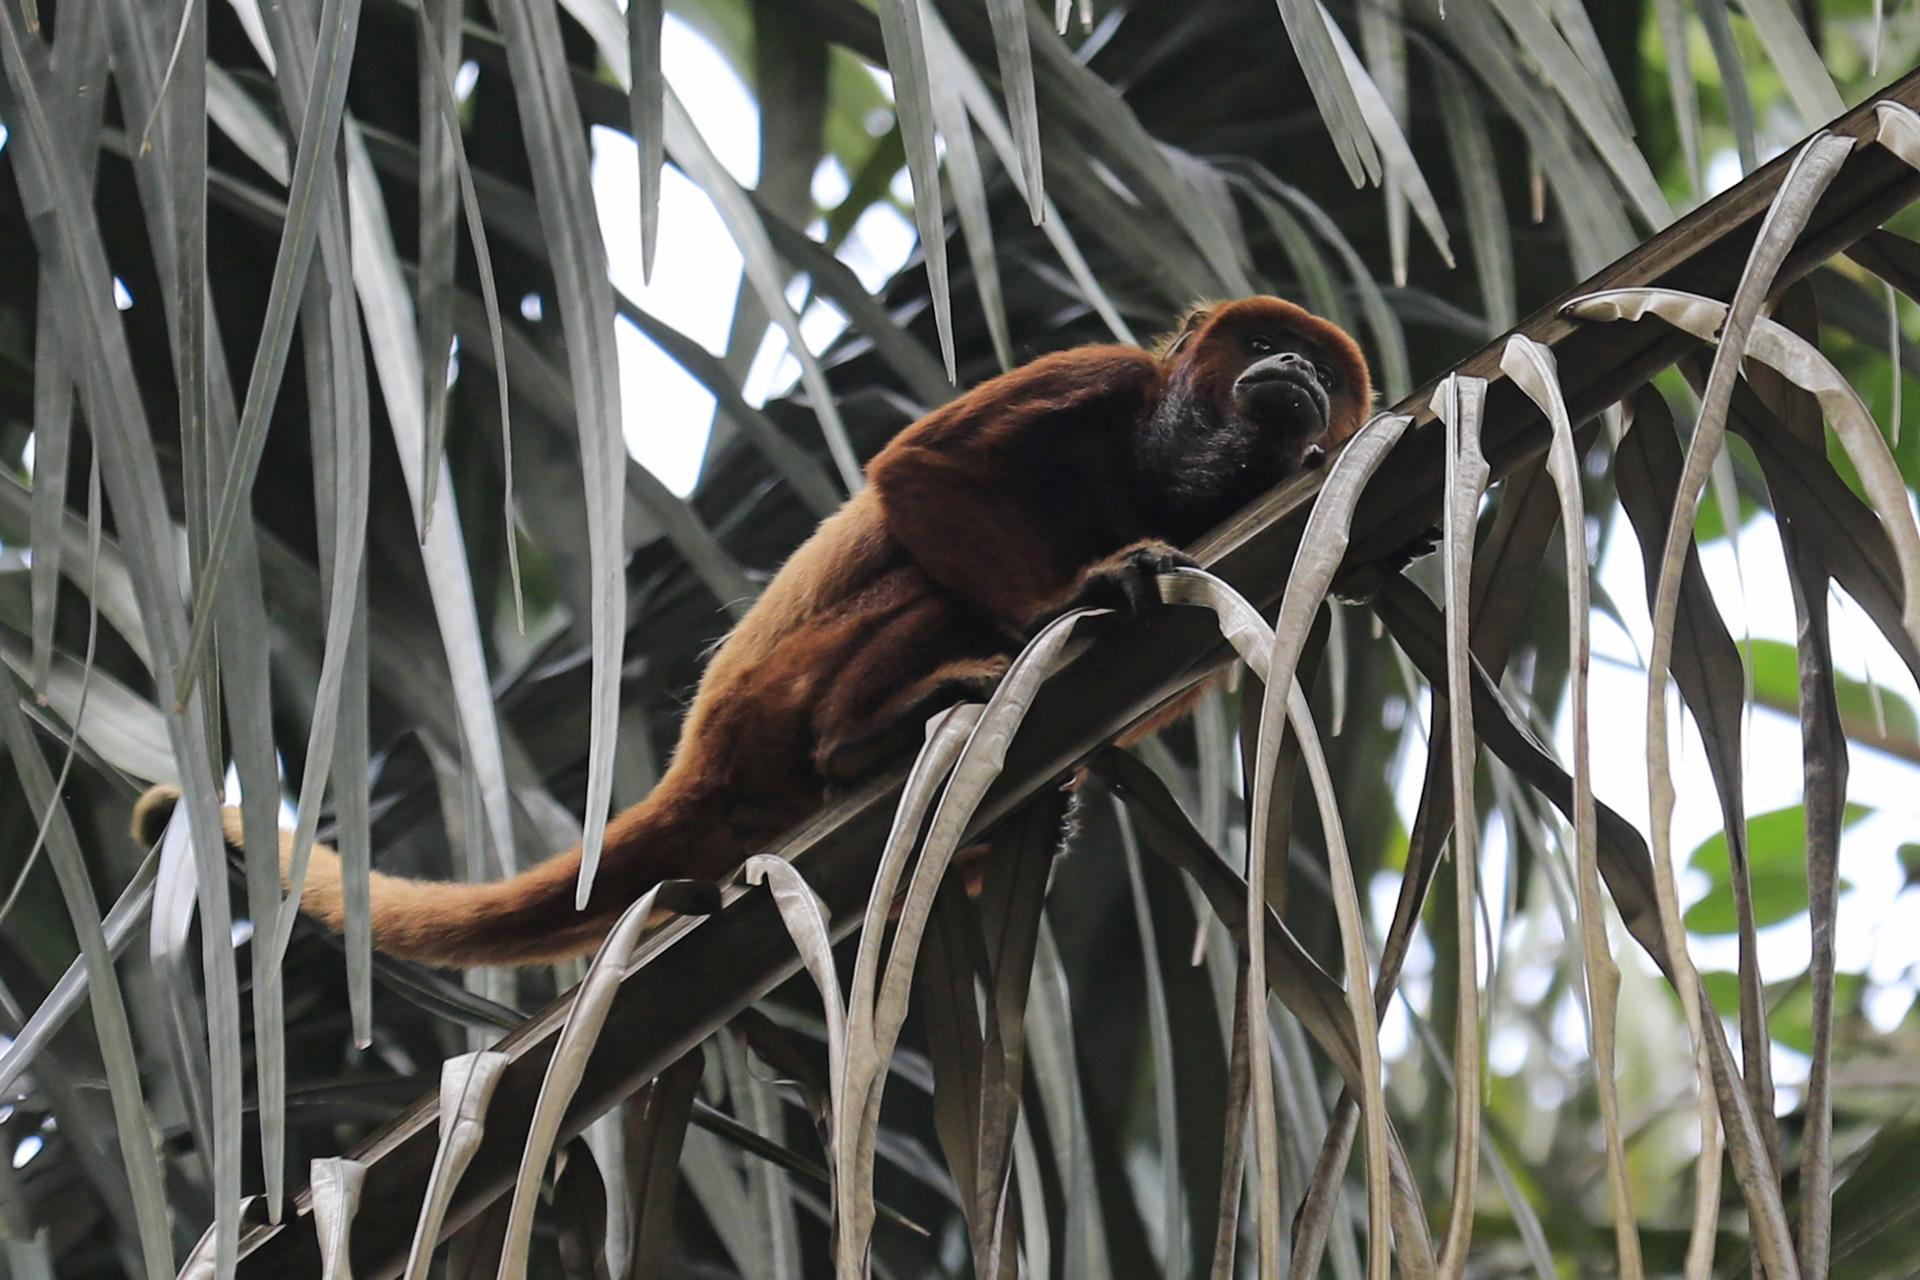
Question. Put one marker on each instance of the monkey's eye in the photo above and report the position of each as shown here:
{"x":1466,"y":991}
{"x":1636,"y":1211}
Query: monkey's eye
{"x":1324,"y":375}
{"x":1260,"y":344}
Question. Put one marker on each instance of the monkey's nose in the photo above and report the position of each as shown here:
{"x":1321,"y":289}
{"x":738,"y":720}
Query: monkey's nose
{"x":1290,"y":365}
{"x":1283,"y":378}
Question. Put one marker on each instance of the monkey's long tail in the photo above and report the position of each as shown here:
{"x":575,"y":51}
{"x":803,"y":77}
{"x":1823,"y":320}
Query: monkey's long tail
{"x":526,"y":919}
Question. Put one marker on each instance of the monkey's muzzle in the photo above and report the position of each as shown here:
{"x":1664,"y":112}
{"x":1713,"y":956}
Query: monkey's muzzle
{"x":1285,"y":391}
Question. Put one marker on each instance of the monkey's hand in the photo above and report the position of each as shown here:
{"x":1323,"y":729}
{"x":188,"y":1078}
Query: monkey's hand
{"x":1124,"y":582}
{"x":1361,"y":584}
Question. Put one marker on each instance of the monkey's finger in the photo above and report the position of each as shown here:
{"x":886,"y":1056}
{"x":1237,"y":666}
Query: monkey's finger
{"x":1141,"y":590}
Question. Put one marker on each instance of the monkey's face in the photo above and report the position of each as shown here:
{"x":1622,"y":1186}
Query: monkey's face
{"x":1299,"y":382}
{"x":1287,"y":391}
{"x":1255,"y":391}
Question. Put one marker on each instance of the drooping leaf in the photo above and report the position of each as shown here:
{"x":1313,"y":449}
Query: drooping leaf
{"x":1308,"y":27}
{"x":131,"y":1119}
{"x":558,"y":151}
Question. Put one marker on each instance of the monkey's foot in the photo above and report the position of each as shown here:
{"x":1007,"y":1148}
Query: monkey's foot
{"x":1359,"y":585}
{"x":1422,"y":544}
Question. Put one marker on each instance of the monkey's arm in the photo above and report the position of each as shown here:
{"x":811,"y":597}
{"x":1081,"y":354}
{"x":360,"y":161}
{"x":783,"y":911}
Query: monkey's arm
{"x":967,"y":490}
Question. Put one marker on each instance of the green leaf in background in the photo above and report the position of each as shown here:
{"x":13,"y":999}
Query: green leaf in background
{"x":1789,"y":1004}
{"x":1776,"y":849}
{"x":1710,"y":525}
{"x":1893,"y":727}
{"x":1790,"y":1018}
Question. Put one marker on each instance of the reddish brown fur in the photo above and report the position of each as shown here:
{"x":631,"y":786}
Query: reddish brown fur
{"x":991,"y":512}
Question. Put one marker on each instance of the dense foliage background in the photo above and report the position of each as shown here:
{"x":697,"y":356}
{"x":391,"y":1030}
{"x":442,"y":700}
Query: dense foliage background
{"x":1184,"y":155}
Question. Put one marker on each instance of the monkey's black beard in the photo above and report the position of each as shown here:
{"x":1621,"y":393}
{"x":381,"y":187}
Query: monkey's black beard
{"x":1195,"y":469}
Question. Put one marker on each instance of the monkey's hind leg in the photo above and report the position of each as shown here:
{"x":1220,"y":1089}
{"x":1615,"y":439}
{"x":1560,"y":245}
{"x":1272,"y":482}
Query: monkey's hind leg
{"x":894,"y":730}
{"x":1360,"y":584}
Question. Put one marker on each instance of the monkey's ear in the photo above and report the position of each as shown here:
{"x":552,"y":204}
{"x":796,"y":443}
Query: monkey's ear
{"x":1190,"y":324}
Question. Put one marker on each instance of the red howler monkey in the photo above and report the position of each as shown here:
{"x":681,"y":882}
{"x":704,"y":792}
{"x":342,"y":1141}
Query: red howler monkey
{"x":1068,"y":481}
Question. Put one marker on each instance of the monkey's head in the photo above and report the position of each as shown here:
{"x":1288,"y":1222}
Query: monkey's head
{"x":1254,"y":391}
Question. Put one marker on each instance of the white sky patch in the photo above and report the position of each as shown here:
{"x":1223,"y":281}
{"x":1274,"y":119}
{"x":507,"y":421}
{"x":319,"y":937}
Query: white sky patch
{"x":1396,"y":1027}
{"x":1723,"y":171}
{"x":830,"y":184}
{"x":667,"y":413}
{"x":879,"y":244}
{"x":1723,"y":167}
{"x":902,"y":187}
{"x":1879,"y":919}
{"x":1508,"y":1049}
{"x":230,"y":792}
{"x":881,"y":241}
